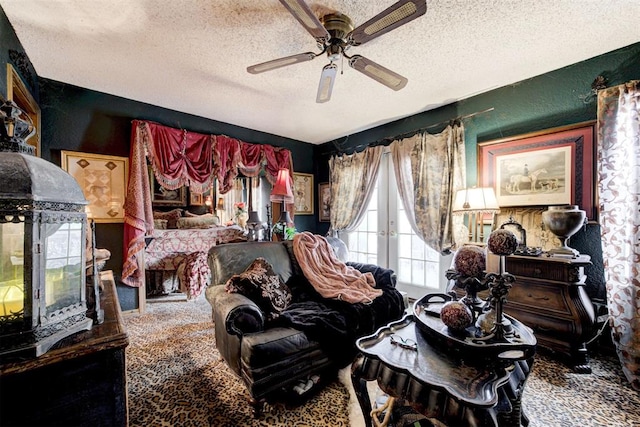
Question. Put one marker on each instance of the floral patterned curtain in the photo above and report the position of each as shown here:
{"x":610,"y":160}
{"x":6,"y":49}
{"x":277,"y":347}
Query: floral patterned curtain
{"x":352,"y":180}
{"x":429,"y":169}
{"x":618,"y":168}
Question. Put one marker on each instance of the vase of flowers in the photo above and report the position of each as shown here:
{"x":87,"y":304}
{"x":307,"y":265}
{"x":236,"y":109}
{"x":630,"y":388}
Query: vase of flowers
{"x":240,"y":214}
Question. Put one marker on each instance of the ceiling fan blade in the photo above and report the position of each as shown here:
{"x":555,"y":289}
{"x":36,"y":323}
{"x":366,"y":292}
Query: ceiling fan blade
{"x":391,"y":18}
{"x":281,"y":62}
{"x":327,"y":78}
{"x":302,"y":12}
{"x":377,"y":72}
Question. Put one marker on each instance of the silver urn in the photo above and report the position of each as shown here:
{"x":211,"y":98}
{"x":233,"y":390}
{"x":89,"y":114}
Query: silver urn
{"x":564,"y":221}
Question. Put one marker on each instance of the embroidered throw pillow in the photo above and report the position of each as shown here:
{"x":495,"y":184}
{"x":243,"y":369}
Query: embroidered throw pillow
{"x":200,"y":221}
{"x":263,"y":286}
{"x":171,"y":216}
{"x":160,"y":224}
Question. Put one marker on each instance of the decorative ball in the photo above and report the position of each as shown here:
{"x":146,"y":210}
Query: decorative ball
{"x":456,"y":315}
{"x":470,"y":261}
{"x":502,"y":242}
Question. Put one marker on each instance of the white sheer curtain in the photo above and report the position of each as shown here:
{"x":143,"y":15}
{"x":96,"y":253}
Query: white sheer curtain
{"x":618,"y":168}
{"x":429,"y":169}
{"x":352,"y":180}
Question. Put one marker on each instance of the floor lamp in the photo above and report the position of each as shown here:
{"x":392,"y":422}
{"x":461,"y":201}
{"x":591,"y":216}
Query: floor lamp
{"x":475,"y":203}
{"x":282,"y":193}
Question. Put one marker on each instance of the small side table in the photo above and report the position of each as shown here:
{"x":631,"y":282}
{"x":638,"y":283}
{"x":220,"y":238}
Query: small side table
{"x":438,"y":383}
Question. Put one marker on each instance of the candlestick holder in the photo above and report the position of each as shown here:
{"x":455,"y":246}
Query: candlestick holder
{"x":492,"y":325}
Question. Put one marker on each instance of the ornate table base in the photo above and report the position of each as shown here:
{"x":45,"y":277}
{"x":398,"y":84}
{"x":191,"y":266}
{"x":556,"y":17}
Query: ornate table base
{"x":436,"y":383}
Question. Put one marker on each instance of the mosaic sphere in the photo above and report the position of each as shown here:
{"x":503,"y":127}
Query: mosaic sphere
{"x":502,"y":242}
{"x":470,"y":261}
{"x":456,"y":315}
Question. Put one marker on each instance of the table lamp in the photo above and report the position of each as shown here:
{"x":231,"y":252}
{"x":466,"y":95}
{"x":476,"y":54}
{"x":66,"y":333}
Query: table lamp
{"x":283,"y":194}
{"x":476,"y":203}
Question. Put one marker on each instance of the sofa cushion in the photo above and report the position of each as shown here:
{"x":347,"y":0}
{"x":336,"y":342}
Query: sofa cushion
{"x":263,"y":286}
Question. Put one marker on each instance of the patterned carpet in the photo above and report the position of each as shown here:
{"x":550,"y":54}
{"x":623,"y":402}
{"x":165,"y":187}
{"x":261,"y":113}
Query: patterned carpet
{"x":177,"y":378}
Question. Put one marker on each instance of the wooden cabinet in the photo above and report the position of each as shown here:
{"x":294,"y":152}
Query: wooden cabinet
{"x":79,"y":382}
{"x":549,"y":297}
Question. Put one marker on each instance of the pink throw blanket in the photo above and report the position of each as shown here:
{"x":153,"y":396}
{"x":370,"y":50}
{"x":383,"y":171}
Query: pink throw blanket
{"x":329,"y":276}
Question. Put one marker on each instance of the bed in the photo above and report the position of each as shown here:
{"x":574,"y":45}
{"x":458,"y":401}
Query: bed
{"x":176,"y":259}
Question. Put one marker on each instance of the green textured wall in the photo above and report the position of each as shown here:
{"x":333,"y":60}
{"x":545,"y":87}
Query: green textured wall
{"x":558,"y":98}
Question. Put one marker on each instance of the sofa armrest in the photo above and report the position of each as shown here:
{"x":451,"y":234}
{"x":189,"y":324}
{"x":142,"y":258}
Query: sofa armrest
{"x":384,"y":277}
{"x":239,"y":314}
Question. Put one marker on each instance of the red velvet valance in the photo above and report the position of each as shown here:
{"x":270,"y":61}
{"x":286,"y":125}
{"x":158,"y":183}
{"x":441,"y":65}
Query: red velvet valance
{"x":231,"y":157}
{"x":179,"y":157}
{"x":182,"y":158}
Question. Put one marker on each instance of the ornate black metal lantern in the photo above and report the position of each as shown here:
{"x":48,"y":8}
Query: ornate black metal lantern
{"x":42,"y":246}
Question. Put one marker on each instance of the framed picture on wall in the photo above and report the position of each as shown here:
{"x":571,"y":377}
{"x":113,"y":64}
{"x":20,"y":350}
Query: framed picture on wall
{"x":303,"y":193}
{"x":196,"y":199}
{"x":103,"y":180}
{"x":550,"y":167}
{"x":324,"y":200}
{"x":161,"y":196}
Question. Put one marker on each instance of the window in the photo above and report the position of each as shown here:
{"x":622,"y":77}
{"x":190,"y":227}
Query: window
{"x":385,"y":238}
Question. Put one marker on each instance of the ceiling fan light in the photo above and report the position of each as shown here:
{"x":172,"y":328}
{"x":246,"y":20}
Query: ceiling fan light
{"x":327,"y":78}
{"x":397,"y":15}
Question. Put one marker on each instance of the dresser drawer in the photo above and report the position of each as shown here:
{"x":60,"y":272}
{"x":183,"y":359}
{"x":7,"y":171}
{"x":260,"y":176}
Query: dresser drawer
{"x":539,"y":297}
{"x":545,"y":268}
{"x":543,"y":325}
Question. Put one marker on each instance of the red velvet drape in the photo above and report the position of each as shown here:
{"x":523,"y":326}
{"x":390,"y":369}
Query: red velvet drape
{"x":180,"y":158}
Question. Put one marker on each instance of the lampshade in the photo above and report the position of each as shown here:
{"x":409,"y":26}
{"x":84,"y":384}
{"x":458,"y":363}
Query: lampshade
{"x":254,"y":217}
{"x":282,"y":188}
{"x":220,"y":206}
{"x":475,"y":200}
{"x":475,"y":203}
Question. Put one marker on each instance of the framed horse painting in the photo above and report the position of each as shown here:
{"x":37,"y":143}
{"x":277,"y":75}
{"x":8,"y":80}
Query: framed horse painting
{"x":549,"y":167}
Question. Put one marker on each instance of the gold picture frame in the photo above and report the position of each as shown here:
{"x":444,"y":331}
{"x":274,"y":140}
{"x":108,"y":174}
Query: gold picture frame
{"x":324,"y":202}
{"x":303,"y":193}
{"x":103,"y":180}
{"x":17,"y":92}
{"x":196,"y":199}
{"x":163,"y":197}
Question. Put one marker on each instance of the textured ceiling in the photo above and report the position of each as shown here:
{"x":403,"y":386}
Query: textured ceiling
{"x":191,"y":55}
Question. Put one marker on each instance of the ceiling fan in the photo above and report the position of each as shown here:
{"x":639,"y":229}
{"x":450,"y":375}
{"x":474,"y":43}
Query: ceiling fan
{"x":335,"y":34}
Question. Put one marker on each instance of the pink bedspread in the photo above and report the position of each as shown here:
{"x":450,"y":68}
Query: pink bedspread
{"x":181,"y":255}
{"x":169,"y":247}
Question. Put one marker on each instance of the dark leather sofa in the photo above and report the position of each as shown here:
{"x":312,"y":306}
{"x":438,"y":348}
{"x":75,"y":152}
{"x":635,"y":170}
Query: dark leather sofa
{"x":313,"y":339}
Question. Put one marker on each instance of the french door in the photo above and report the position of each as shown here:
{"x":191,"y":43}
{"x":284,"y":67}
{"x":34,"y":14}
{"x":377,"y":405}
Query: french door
{"x":385,"y":238}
